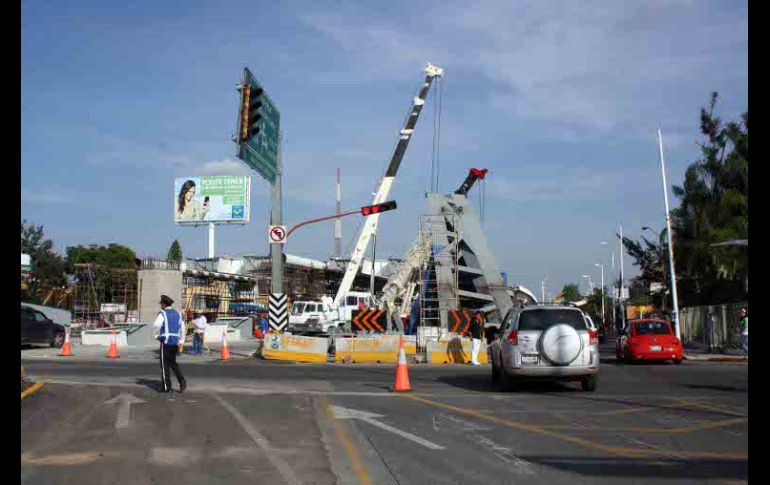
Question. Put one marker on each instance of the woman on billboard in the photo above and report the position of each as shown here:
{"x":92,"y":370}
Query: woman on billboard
{"x":188,"y":209}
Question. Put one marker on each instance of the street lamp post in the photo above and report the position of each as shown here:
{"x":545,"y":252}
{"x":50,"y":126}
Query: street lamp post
{"x":670,"y":242}
{"x":602,"y":267}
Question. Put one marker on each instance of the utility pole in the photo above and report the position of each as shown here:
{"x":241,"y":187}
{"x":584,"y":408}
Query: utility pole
{"x":670,"y":240}
{"x":602,"y":267}
{"x":276,"y":218}
{"x":620,"y":290}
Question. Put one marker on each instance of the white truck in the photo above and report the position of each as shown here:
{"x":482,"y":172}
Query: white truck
{"x":322,"y":316}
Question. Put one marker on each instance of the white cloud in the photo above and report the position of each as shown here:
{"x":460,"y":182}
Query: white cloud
{"x":592,"y":65}
{"x":227,"y":166}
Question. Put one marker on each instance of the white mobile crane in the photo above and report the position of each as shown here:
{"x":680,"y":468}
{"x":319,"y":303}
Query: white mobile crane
{"x":333,"y":313}
{"x":370,"y":225}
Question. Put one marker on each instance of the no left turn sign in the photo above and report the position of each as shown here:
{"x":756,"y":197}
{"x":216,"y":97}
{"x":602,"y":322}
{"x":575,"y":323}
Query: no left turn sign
{"x":277,"y":234}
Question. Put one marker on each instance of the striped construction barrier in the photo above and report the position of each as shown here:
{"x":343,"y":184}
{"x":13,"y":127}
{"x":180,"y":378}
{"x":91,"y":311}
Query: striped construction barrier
{"x":295,"y":348}
{"x":372,"y":350}
{"x":369,"y":320}
{"x":454,"y":351}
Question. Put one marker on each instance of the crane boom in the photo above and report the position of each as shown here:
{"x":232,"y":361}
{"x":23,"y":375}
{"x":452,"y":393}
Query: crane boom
{"x":474,"y":175}
{"x":370,"y":226}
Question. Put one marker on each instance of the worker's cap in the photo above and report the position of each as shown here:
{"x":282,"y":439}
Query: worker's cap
{"x":165,"y":300}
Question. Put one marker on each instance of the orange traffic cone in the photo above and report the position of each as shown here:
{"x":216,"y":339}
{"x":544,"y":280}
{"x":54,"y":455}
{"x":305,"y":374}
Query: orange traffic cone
{"x":112,"y":353}
{"x":66,"y":350}
{"x":402,"y":373}
{"x":225,"y":351}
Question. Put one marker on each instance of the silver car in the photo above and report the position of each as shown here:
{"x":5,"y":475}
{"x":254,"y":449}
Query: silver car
{"x":546,"y":342}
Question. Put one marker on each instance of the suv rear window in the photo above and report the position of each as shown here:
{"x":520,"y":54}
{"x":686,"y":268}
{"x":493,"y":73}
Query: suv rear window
{"x":542,"y":319}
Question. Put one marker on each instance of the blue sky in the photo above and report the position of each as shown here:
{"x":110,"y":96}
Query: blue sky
{"x":559,"y":100}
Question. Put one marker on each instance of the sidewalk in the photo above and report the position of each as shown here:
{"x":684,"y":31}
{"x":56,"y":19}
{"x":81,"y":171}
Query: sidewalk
{"x":699,"y":351}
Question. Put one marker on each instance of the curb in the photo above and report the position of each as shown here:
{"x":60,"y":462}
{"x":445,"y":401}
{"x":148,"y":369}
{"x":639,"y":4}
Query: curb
{"x":717,"y":358}
{"x":35,"y":387}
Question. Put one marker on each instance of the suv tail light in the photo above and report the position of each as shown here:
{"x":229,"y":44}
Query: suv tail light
{"x":593,"y":336}
{"x":513,"y":337}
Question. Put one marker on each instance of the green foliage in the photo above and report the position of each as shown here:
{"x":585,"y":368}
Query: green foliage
{"x":652,"y":260}
{"x":571,"y":293}
{"x":113,"y":256}
{"x":713,"y":208}
{"x":48,"y":272}
{"x":175,"y":252}
{"x":593,"y":305}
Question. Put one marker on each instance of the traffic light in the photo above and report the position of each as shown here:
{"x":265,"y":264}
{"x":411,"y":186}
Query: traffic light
{"x":377,"y":208}
{"x":251,"y":102}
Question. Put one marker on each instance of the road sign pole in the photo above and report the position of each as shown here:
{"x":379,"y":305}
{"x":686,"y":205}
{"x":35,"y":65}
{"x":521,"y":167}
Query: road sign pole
{"x":211,"y":240}
{"x":276,"y":250}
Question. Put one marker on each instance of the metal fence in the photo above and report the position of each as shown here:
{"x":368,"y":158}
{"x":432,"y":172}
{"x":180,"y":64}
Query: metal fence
{"x":692,"y":321}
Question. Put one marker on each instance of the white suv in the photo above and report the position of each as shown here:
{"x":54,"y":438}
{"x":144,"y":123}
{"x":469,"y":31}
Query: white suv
{"x":546,"y":342}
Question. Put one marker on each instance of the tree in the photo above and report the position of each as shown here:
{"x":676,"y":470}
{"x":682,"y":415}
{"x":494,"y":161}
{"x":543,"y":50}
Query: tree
{"x":175,"y":252}
{"x":112,"y":256}
{"x":48,"y":271}
{"x":652,"y":260}
{"x":571,"y":293}
{"x":713,"y":208}
{"x":593,"y":304}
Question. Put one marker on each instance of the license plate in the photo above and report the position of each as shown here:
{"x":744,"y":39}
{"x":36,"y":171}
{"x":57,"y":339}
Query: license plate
{"x":529,"y":359}
{"x":655,"y":348}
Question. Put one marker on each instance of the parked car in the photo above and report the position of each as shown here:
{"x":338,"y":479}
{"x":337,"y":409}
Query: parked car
{"x":546,"y":342}
{"x":38,"y":329}
{"x":648,"y":339}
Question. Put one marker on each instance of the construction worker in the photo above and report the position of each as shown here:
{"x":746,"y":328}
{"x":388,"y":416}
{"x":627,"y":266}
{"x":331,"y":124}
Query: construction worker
{"x":199,"y":331}
{"x":171,"y":336}
{"x":477,"y":330}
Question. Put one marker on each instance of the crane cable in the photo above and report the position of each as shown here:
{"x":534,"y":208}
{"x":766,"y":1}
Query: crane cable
{"x":435,"y":162}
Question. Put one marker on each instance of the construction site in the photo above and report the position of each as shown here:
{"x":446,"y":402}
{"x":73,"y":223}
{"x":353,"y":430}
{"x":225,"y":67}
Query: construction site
{"x":449,"y":267}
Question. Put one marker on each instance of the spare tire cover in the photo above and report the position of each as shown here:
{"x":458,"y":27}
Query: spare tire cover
{"x":560,"y":344}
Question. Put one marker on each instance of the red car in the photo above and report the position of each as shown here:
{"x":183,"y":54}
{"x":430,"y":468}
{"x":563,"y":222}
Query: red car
{"x":648,"y":339}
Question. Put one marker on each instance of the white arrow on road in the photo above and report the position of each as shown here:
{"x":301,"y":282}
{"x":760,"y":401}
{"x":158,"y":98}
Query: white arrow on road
{"x":367,"y":417}
{"x":124,"y":410}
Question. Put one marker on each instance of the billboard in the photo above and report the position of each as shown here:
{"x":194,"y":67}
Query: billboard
{"x":220,"y":199}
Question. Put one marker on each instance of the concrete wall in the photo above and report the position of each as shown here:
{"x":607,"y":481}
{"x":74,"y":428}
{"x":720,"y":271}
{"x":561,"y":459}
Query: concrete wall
{"x":152,"y":284}
{"x":103,"y":337}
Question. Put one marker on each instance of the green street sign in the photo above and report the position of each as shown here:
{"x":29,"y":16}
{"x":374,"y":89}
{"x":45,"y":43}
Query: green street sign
{"x":258,"y":150}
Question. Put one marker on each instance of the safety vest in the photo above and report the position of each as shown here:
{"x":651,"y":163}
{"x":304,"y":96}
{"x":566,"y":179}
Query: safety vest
{"x":171,"y":332}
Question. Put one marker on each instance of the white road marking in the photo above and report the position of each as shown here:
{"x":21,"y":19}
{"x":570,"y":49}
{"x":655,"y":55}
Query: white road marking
{"x":124,"y":402}
{"x":272,"y":454}
{"x":367,"y":417}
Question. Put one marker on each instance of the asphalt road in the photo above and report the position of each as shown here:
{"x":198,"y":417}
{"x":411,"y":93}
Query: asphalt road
{"x":251,"y":420}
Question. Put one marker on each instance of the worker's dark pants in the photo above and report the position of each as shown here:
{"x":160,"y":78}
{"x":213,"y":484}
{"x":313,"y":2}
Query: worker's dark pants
{"x":168,"y":363}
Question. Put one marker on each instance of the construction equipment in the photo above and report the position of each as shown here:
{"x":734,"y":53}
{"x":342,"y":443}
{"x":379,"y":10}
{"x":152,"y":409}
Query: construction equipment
{"x":473,"y":175}
{"x":402,"y":283}
{"x":370,"y":225}
{"x":398,"y":284}
{"x":478,"y":284}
